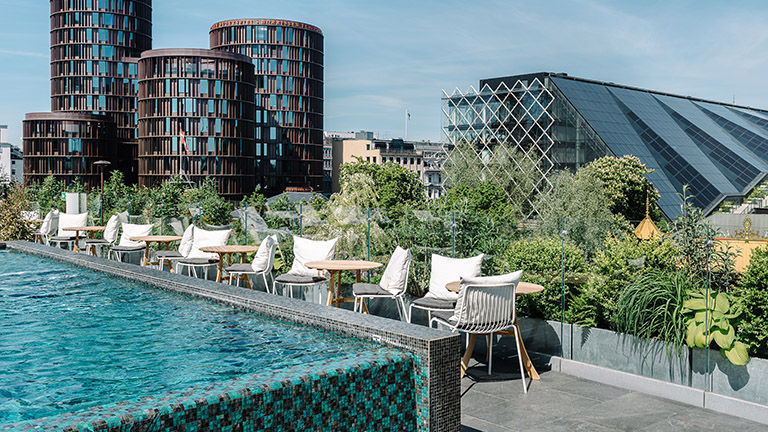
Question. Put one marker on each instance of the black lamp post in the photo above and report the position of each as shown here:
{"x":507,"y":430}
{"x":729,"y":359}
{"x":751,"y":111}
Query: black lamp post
{"x":101,"y":164}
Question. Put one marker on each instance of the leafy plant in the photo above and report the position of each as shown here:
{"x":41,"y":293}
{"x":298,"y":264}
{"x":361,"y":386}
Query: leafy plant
{"x":651,"y":306}
{"x":12,"y":225}
{"x":48,"y":194}
{"x":624,"y":184}
{"x":752,"y":292}
{"x":713,"y":318}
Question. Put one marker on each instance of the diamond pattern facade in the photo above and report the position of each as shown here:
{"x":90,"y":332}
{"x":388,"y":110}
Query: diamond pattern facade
{"x":561,"y":122}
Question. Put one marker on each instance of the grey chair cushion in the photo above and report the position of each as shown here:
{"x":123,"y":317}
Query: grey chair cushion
{"x":169,"y":254}
{"x":97,"y":241}
{"x":240,"y":268}
{"x":369,"y":289}
{"x":61,"y":238}
{"x":435,"y":304}
{"x":128,"y":248}
{"x":444,"y":315}
{"x":298,"y":279}
{"x":198,"y":261}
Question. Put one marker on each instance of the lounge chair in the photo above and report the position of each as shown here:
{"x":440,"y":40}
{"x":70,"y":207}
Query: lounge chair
{"x":108,"y":239}
{"x":261,"y":266}
{"x":394,"y":282}
{"x":167,"y":257}
{"x":445,"y":270}
{"x":196,"y":258}
{"x":128,"y":247}
{"x":485,"y":305}
{"x":68,"y":237}
{"x":49,"y":226}
{"x":304,"y":251}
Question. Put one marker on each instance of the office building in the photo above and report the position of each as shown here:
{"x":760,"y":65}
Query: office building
{"x":288,"y":57}
{"x":11,"y":168}
{"x":207,"y":96}
{"x":561,"y":122}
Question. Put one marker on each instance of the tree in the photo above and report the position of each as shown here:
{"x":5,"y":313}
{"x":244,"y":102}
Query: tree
{"x":624,"y":184}
{"x":395,"y":187}
{"x":12,"y":224}
{"x":478,"y":197}
{"x":48,"y":194}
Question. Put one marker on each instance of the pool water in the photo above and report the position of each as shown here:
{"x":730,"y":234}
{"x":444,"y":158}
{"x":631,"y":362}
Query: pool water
{"x":72,"y":338}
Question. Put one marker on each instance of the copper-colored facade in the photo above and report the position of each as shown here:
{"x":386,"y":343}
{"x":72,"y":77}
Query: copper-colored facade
{"x":288,"y":57}
{"x":66,"y":145}
{"x":209,"y":96}
{"x":95,"y":45}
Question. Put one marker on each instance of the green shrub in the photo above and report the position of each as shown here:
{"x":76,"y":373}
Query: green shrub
{"x":752,"y":292}
{"x":540,"y":260}
{"x":48,"y":194}
{"x":12,"y":226}
{"x":613,"y":269}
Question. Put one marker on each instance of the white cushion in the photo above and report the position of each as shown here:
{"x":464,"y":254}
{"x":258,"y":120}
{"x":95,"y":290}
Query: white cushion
{"x":185,"y":245}
{"x":265,"y":254}
{"x":110,"y":230}
{"x":45,"y":227}
{"x":395,"y":275}
{"x":476,"y":312}
{"x":445,"y":270}
{"x":203,"y":238}
{"x":71,"y":221}
{"x":306,"y":250}
{"x":134,"y":230}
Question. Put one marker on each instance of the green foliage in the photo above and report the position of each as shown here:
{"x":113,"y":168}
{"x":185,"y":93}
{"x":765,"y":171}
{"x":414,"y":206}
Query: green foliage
{"x":12,"y":225}
{"x":613,"y":269}
{"x":140,"y":200}
{"x":624,"y":184}
{"x":752,"y":291}
{"x":711,"y":319}
{"x":48,"y":194}
{"x":540,"y":259}
{"x":395,"y":187}
{"x":77,"y":186}
{"x":215,"y":208}
{"x":477,"y":197}
{"x":581,"y":201}
{"x":652,"y":307}
{"x":698,"y":255}
{"x":257,"y":200}
{"x":116,"y":194}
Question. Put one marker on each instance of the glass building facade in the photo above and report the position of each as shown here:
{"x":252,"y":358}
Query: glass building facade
{"x":208,"y":96}
{"x":560,"y":122}
{"x":288,"y":59}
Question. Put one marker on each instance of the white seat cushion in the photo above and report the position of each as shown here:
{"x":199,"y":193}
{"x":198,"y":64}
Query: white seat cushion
{"x":445,"y":270}
{"x":185,"y":245}
{"x":476,"y":311}
{"x":395,"y":276}
{"x":306,"y":250}
{"x":203,"y":238}
{"x":110,"y":230}
{"x":264,"y":255}
{"x":134,"y":230}
{"x":71,"y":221}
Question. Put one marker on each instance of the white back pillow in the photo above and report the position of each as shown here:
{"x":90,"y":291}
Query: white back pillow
{"x":110,"y":230}
{"x":71,"y":221}
{"x":445,"y":270}
{"x":134,"y":230}
{"x":45,"y":227}
{"x":203,"y":238}
{"x":306,"y":250}
{"x":395,"y":275}
{"x":185,"y":245}
{"x":265,"y":254}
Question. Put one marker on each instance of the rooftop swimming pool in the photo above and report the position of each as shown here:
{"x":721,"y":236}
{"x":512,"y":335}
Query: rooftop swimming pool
{"x":73,"y":339}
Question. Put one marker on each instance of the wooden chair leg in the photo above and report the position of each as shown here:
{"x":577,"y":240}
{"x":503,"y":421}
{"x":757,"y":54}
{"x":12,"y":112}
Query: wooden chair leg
{"x":247,"y":281}
{"x":468,"y":354}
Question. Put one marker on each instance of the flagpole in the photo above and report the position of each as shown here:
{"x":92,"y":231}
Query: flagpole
{"x":406,"y":125}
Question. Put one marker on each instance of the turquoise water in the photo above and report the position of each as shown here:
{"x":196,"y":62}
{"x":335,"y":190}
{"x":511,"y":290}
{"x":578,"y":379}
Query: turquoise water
{"x":71,"y":338}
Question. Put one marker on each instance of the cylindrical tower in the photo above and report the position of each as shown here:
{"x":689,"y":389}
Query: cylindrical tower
{"x":66,"y":145}
{"x":288,"y":57}
{"x":94,"y":48}
{"x":208,"y":98}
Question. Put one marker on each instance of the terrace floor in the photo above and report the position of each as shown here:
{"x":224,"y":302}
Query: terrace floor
{"x":562,"y":402}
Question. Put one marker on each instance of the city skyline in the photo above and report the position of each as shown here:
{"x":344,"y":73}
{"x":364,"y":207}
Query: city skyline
{"x":384,"y":59}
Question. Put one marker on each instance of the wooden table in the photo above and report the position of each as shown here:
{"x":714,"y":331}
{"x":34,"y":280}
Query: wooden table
{"x":91,"y":230}
{"x":335,"y":267}
{"x":523,"y":288}
{"x":221,"y":251}
{"x":163,"y":241}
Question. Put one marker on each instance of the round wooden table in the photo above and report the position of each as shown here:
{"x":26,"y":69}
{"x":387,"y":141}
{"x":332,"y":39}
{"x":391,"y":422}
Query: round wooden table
{"x":163,"y":241}
{"x":91,"y":230}
{"x":221,"y":251}
{"x":335,"y":267}
{"x":523,"y":288}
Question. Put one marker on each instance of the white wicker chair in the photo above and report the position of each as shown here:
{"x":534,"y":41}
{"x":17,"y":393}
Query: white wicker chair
{"x":50,"y":225}
{"x":68,"y":237}
{"x":197,"y":259}
{"x":443,"y":271}
{"x":97,"y":246}
{"x":263,"y":269}
{"x":304,"y":251}
{"x":394,"y":282}
{"x":486,"y":305}
{"x":128,"y":247}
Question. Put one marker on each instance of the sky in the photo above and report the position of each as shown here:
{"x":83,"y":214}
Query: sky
{"x":385,"y":57}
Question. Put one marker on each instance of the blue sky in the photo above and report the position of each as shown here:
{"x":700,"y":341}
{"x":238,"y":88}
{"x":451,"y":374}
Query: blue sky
{"x":385,"y":56}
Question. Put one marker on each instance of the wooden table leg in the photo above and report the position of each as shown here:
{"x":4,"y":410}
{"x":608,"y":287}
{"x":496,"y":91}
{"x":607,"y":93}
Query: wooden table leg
{"x":330,"y":289}
{"x":146,"y":255}
{"x":77,"y":240}
{"x":468,"y":354}
{"x":221,"y":268}
{"x":523,"y":353}
{"x":338,"y":290}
